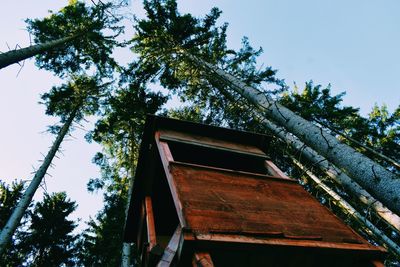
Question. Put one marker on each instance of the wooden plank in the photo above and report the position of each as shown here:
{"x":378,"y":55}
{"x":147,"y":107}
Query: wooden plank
{"x":202,"y":259}
{"x":255,"y":175}
{"x":151,"y":230}
{"x":210,"y":142}
{"x":215,"y":223}
{"x":238,"y":239}
{"x":259,"y":254}
{"x":172,"y":248}
{"x":275,"y":171}
{"x":167,"y":151}
{"x":377,"y":263}
{"x":166,"y":158}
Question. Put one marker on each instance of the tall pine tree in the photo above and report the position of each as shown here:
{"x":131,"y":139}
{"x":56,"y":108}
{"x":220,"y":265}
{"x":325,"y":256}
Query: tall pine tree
{"x":50,"y":240}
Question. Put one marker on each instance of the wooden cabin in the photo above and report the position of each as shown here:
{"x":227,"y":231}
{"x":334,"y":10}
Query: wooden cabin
{"x":210,"y":196}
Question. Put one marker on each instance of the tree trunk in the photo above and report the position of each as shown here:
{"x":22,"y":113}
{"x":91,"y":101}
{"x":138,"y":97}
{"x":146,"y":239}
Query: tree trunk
{"x":127,"y":247}
{"x":14,"y":56}
{"x":334,"y":173}
{"x":126,"y":255}
{"x":18,"y":212}
{"x":380,"y":182}
{"x":350,"y":210}
{"x":373,"y":151}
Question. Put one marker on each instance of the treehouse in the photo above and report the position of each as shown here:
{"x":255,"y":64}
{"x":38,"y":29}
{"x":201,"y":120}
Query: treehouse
{"x":210,"y":196}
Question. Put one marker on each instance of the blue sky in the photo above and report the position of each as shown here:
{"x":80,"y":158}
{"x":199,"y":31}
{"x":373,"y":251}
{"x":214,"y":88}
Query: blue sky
{"x":354,"y":45}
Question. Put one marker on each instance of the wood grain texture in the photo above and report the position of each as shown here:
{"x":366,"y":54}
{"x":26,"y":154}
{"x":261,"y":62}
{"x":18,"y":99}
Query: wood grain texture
{"x":218,"y":201}
{"x":151,"y":230}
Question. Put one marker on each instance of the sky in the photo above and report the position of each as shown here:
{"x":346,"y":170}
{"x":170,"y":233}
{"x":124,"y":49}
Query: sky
{"x":353,"y":45}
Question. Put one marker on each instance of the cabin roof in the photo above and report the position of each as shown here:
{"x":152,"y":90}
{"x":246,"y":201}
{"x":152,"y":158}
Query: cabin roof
{"x":148,"y":159}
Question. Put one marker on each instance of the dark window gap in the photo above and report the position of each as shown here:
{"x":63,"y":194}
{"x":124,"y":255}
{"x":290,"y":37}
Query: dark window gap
{"x":206,"y":156}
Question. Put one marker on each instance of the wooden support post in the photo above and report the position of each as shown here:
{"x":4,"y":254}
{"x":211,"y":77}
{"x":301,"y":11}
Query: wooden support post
{"x":163,"y":146}
{"x":171,"y":249}
{"x":202,"y":259}
{"x":139,"y":240}
{"x":151,"y":230}
{"x":166,"y":158}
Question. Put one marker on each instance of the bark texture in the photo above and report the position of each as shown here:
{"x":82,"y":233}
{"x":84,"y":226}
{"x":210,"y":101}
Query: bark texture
{"x":126,"y":255}
{"x":350,"y":210}
{"x":381,"y":183}
{"x":334,"y":173}
{"x":18,"y":212}
{"x":392,"y":161}
{"x":14,"y":56}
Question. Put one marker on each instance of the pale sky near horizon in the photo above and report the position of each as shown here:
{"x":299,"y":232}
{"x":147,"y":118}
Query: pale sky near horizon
{"x":354,"y":45}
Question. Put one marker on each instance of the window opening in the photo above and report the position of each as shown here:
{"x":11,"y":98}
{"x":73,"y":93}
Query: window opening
{"x":214,"y":157}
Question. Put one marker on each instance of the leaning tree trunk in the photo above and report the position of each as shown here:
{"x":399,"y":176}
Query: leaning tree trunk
{"x":381,"y":183}
{"x":15,"y":56}
{"x":376,"y":153}
{"x":351,"y":211}
{"x":18,"y":212}
{"x":334,"y":173}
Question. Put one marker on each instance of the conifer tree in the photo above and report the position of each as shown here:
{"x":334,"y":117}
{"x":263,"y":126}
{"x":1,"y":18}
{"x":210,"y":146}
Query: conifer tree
{"x":70,"y":102}
{"x":9,"y":197}
{"x":50,"y":240}
{"x":81,"y":95}
{"x":119,"y":132}
{"x":70,"y":39}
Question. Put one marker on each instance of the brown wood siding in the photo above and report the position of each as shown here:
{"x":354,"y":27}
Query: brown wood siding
{"x":217,"y":201}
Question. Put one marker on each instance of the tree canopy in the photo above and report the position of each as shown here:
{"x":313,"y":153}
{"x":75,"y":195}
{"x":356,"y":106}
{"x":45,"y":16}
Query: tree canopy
{"x":92,"y":46}
{"x":45,"y":236}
